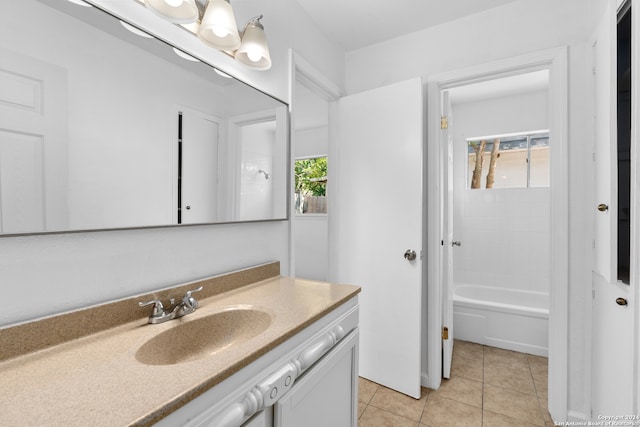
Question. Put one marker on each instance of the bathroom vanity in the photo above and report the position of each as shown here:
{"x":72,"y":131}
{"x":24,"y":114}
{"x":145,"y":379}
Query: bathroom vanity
{"x":260,"y":350}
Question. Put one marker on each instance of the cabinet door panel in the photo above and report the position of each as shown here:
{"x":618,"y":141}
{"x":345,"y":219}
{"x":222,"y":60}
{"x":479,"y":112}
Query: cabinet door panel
{"x":326,"y":395}
{"x":262,"y":419}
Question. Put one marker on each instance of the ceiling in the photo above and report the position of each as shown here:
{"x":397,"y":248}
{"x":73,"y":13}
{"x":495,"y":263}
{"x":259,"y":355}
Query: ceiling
{"x":504,"y":86}
{"x":357,"y":23}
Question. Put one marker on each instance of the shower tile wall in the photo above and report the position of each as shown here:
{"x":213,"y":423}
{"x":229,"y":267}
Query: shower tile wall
{"x":504,"y":232}
{"x":505,"y":236}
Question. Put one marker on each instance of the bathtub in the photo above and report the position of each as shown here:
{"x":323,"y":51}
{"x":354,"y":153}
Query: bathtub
{"x":500,"y":317}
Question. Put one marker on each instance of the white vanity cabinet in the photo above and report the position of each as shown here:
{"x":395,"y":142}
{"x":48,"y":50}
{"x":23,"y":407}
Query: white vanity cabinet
{"x":327,"y":394}
{"x":308,"y":380}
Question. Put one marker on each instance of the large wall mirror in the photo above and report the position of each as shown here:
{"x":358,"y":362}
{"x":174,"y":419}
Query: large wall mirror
{"x":103,"y":127}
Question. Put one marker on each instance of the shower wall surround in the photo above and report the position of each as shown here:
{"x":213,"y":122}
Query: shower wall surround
{"x":504,"y":232}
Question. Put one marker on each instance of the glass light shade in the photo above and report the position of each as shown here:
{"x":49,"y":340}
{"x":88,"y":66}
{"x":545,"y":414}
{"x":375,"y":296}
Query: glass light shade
{"x":218,"y":27}
{"x":176,"y":11}
{"x":254,"y":50}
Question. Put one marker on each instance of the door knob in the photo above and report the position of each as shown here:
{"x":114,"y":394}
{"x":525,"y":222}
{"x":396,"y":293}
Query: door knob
{"x":410,"y":255}
{"x":621,"y":301}
{"x":456,"y":243}
{"x":602,"y":207}
{"x":188,"y":207}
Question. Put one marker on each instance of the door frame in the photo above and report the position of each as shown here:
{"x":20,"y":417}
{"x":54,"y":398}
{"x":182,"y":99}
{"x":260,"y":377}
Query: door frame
{"x":306,"y":74}
{"x":555,"y":60}
{"x":634,"y":268}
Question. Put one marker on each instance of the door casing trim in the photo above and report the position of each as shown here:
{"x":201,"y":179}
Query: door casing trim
{"x":555,"y":60}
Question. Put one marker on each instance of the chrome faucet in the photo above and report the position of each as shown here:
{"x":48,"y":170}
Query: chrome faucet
{"x":187,"y":306}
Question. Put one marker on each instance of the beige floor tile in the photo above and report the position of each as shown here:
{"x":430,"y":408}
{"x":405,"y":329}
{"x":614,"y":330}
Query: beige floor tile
{"x":513,"y":376}
{"x":461,"y":390}
{"x":468,"y":349}
{"x":546,"y":416}
{"x":540,"y":377}
{"x":489,"y":387}
{"x":366,"y":389}
{"x":493,"y":354}
{"x":441,"y":412}
{"x":514,"y":404}
{"x":491,"y":419}
{"x":467,"y":367}
{"x":398,"y":403}
{"x":375,"y":417}
{"x":361,"y":407}
{"x":537,"y":360}
{"x":539,"y":371}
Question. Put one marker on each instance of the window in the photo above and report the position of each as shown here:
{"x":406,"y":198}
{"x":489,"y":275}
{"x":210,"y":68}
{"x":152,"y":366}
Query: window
{"x":509,"y":161}
{"x":311,"y":185}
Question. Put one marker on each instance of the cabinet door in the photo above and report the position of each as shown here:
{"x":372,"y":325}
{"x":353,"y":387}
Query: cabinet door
{"x":327,"y":394}
{"x":261,"y":419}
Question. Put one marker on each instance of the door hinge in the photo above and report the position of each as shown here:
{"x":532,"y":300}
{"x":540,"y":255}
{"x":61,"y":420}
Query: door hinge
{"x":445,"y":333}
{"x":444,"y":122}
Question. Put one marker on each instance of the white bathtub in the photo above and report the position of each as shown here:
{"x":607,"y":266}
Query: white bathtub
{"x":501,"y":317}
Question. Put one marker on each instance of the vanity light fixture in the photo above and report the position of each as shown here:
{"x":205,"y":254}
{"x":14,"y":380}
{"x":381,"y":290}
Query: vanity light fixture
{"x":186,"y":56}
{"x":254,"y":50}
{"x":222,"y":73}
{"x":217,"y":28}
{"x":135,"y":31}
{"x":176,"y":11}
{"x":80,"y":3}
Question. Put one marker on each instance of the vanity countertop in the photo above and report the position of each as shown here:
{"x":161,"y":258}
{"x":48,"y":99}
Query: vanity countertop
{"x":97,"y":380}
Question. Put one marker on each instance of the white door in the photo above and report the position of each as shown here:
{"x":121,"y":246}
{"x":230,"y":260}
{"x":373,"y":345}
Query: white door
{"x":33,"y":133}
{"x":447,"y":231}
{"x":199,"y":177}
{"x":377,"y":218}
{"x":612,"y":352}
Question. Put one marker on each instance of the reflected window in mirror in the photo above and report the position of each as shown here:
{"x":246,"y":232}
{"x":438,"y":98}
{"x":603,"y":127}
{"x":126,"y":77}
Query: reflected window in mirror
{"x":508,"y":161}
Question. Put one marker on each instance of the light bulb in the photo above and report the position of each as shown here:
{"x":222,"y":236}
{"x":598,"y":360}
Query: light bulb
{"x":220,"y":31}
{"x":174,"y":3}
{"x":254,"y":55}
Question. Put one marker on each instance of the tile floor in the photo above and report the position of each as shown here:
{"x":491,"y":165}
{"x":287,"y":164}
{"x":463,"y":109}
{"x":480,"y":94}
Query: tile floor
{"x":489,"y":387}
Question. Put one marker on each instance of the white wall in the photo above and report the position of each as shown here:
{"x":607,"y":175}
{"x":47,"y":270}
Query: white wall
{"x":514,"y":29}
{"x":312,"y":142}
{"x":311,"y":230}
{"x":504,"y":232}
{"x":47,"y":274}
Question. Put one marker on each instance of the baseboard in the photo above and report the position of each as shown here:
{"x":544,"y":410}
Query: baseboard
{"x":577,"y":416}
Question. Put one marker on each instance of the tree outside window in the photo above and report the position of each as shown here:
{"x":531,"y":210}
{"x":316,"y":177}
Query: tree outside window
{"x":311,"y":185}
{"x":509,"y":161}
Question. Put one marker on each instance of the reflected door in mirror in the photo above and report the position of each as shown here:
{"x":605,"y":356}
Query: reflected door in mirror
{"x":33,"y":152}
{"x":198,"y":177}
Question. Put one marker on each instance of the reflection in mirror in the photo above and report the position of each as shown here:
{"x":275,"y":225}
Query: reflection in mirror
{"x":102,"y":127}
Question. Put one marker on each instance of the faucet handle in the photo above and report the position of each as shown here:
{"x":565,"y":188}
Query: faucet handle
{"x":189,"y":300}
{"x":158,"y":308}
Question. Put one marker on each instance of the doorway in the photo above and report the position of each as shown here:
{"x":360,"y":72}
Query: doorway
{"x":501,"y":211}
{"x":440,"y":292}
{"x":311,"y":164}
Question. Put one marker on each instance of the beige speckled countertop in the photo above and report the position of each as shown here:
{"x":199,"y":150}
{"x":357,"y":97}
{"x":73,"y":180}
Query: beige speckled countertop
{"x":97,"y":380}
